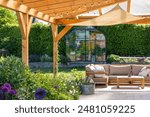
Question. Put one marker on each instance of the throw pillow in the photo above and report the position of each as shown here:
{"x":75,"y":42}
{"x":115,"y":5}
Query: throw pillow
{"x":144,"y":71}
{"x":99,"y":68}
{"x":90,"y":68}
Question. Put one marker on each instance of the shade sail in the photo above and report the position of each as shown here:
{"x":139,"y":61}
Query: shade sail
{"x":113,"y":17}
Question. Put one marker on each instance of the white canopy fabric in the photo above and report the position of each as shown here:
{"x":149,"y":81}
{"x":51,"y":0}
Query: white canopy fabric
{"x":138,"y":7}
{"x":113,"y":17}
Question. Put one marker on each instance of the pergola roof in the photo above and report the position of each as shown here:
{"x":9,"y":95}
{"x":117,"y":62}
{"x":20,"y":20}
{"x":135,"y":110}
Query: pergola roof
{"x":55,"y":11}
{"x":47,"y":9}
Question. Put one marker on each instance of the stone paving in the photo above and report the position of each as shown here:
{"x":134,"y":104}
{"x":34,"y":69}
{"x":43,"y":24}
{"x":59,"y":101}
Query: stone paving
{"x":123,"y":93}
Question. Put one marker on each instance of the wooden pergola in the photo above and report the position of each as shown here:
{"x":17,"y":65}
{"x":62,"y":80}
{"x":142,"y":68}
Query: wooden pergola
{"x":56,"y":12}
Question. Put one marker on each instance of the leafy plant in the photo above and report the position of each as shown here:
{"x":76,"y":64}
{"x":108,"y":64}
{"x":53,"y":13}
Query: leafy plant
{"x":12,"y":71}
{"x":7,"y":17}
{"x":113,"y":58}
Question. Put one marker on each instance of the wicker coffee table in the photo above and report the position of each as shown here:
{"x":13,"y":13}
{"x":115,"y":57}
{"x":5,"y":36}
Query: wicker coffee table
{"x":133,"y":80}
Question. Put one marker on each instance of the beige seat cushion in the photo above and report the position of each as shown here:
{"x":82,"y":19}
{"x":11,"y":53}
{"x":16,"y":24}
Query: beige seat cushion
{"x":99,"y":76}
{"x":136,"y":69}
{"x":113,"y":76}
{"x":106,"y":67}
{"x":120,"y":70}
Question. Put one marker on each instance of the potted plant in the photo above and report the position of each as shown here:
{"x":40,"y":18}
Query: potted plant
{"x":88,"y":86}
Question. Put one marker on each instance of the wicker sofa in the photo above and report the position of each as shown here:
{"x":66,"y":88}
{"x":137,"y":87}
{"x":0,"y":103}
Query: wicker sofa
{"x":107,"y":73}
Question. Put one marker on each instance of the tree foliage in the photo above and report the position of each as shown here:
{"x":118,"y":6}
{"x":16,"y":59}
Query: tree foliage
{"x":7,"y":17}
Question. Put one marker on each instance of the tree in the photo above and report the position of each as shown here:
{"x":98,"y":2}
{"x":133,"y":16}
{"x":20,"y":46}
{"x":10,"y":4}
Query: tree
{"x":7,"y":17}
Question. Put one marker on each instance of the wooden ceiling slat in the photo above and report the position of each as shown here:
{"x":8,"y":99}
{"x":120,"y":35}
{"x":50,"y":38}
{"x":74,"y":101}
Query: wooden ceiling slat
{"x":16,"y":6}
{"x":76,"y":10}
{"x":31,"y":1}
{"x":46,"y":2}
{"x":58,"y":4}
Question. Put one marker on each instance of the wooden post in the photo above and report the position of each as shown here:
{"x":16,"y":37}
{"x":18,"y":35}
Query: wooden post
{"x":25,"y":22}
{"x":55,"y":49}
{"x":56,"y":38}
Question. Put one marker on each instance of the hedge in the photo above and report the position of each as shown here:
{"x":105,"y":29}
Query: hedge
{"x":40,"y":40}
{"x":10,"y":39}
{"x":123,"y":40}
{"x":127,"y":40}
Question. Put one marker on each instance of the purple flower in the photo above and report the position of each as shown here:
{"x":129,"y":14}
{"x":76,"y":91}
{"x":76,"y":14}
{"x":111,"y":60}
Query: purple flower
{"x":56,"y":87}
{"x":7,"y":85}
{"x":40,"y":94}
{"x":1,"y":95}
{"x":5,"y":89}
{"x":13,"y":92}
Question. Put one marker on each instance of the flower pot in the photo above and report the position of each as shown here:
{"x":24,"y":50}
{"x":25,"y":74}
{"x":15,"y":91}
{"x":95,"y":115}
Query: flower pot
{"x":88,"y":89}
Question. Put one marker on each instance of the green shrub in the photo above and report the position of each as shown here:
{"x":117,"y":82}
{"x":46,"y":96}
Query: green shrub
{"x":64,"y":87}
{"x":12,"y":71}
{"x":113,"y":58}
{"x":129,"y":60}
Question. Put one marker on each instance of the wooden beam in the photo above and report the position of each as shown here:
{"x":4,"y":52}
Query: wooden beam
{"x":128,"y":6}
{"x":16,"y":6}
{"x":54,"y":28}
{"x":142,"y":21}
{"x":69,"y":21}
{"x":25,"y":21}
{"x":63,"y":32}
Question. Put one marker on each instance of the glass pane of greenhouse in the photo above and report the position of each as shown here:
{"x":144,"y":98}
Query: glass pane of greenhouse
{"x":86,"y":45}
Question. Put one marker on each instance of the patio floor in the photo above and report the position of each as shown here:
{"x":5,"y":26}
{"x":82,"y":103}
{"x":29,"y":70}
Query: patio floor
{"x":123,"y":93}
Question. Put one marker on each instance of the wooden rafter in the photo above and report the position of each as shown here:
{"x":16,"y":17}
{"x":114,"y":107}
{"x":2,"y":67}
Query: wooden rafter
{"x":16,"y":6}
{"x":100,"y":11}
{"x":68,"y":7}
{"x":128,"y":6}
{"x":74,"y":11}
{"x":50,"y":9}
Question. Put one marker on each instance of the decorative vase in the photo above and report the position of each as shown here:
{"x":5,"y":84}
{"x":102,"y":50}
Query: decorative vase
{"x":88,"y":89}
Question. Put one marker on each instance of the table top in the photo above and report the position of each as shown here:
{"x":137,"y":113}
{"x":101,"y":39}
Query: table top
{"x":140,"y":77}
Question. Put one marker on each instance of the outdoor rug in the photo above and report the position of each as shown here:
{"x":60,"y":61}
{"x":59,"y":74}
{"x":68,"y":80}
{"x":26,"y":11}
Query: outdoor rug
{"x":122,"y":93}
